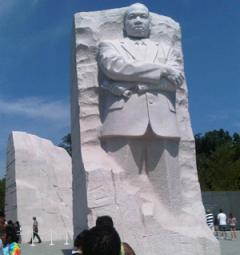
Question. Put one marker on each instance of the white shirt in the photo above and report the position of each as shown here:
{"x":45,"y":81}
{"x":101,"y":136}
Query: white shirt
{"x":222,"y":219}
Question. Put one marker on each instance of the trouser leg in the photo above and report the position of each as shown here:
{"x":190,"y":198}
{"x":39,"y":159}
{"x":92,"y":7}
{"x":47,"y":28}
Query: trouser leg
{"x":163,"y":171}
{"x":38,"y":237}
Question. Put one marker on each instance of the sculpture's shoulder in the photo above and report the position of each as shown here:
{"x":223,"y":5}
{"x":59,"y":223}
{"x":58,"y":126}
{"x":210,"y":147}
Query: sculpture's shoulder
{"x":110,"y":43}
{"x":113,"y":46}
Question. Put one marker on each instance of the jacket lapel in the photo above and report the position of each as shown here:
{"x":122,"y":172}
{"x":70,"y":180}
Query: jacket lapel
{"x":127,"y":46}
{"x":132,"y":50}
{"x":152,"y":51}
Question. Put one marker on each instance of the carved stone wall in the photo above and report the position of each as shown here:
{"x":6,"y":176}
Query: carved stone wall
{"x":100,"y":185}
{"x":38,"y":183}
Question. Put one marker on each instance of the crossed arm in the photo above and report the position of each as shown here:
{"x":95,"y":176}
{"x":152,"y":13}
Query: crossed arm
{"x":118,"y":69}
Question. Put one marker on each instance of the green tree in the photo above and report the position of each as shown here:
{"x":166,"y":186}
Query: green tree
{"x":67,"y":143}
{"x":218,"y":160}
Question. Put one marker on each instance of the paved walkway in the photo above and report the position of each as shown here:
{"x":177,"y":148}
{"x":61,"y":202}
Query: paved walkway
{"x":45,"y":249}
{"x":228,"y":247}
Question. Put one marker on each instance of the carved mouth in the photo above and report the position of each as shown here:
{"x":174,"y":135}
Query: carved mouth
{"x":139,"y":27}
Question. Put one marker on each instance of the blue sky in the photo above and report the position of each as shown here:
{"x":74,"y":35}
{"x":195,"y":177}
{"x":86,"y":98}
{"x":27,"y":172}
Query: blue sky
{"x":35,"y":44}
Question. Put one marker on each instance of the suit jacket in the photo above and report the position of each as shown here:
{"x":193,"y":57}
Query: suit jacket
{"x":138,"y":67}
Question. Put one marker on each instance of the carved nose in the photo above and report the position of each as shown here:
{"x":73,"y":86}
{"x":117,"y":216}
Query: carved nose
{"x":138,"y":20}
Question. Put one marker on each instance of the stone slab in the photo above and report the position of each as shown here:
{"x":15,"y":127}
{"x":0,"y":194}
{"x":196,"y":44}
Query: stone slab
{"x":101,"y":185}
{"x":38,"y":183}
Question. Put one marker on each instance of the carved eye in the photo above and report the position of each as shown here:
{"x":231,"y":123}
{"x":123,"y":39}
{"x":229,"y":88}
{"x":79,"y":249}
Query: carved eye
{"x":144,"y":16}
{"x":131,"y":16}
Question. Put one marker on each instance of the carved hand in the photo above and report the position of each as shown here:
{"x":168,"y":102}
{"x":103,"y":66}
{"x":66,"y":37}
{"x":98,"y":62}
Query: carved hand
{"x":127,"y":93}
{"x":175,"y":76}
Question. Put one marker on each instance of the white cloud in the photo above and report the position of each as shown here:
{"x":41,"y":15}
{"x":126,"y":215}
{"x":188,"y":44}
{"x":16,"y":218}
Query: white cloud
{"x":36,"y":108}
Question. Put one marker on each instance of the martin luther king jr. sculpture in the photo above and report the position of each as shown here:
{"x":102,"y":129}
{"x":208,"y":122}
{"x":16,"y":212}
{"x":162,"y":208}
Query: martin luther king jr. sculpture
{"x":142,"y":76}
{"x":132,"y":145}
{"x":139,"y":114}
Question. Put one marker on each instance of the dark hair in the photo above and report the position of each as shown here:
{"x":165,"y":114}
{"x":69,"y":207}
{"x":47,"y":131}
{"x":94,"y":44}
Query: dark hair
{"x":230,"y":215}
{"x":78,"y":242}
{"x":104,"y":221}
{"x":11,"y":235}
{"x":101,"y":241}
{"x":10,"y":222}
{"x":221,"y":210}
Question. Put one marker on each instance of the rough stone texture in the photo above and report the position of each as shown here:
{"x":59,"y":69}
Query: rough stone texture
{"x":38,"y":183}
{"x":100,"y":185}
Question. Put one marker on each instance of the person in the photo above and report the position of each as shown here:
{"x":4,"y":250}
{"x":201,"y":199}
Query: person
{"x":10,"y":223}
{"x":35,"y":231}
{"x":78,"y":242}
{"x":106,"y":221}
{"x":18,"y":230}
{"x":222,"y":219}
{"x":12,"y":226}
{"x":216,"y":227}
{"x":101,"y":241}
{"x":232,"y":222}
{"x":10,"y":245}
{"x":139,"y":78}
{"x":210,"y":219}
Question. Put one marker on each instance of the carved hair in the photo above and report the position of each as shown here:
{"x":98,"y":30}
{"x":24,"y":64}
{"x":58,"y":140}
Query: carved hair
{"x":132,"y":7}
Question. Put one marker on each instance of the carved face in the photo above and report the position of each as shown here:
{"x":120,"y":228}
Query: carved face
{"x":137,"y":21}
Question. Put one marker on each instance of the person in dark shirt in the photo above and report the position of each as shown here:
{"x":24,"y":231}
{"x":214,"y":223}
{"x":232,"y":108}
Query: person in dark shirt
{"x":35,"y":231}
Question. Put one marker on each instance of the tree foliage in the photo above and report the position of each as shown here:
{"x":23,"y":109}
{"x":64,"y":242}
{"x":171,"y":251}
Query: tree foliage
{"x":218,"y":160}
{"x":67,"y":143}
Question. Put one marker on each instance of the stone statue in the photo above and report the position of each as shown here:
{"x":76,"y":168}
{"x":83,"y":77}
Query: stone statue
{"x":142,"y":76}
{"x":139,"y":114}
{"x":133,"y":150}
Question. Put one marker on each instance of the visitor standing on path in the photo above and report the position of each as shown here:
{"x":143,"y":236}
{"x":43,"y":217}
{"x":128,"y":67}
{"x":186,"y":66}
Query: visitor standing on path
{"x":210,"y":219}
{"x":232,"y":222}
{"x":222,"y":219}
{"x":35,"y":231}
{"x":18,"y":230}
